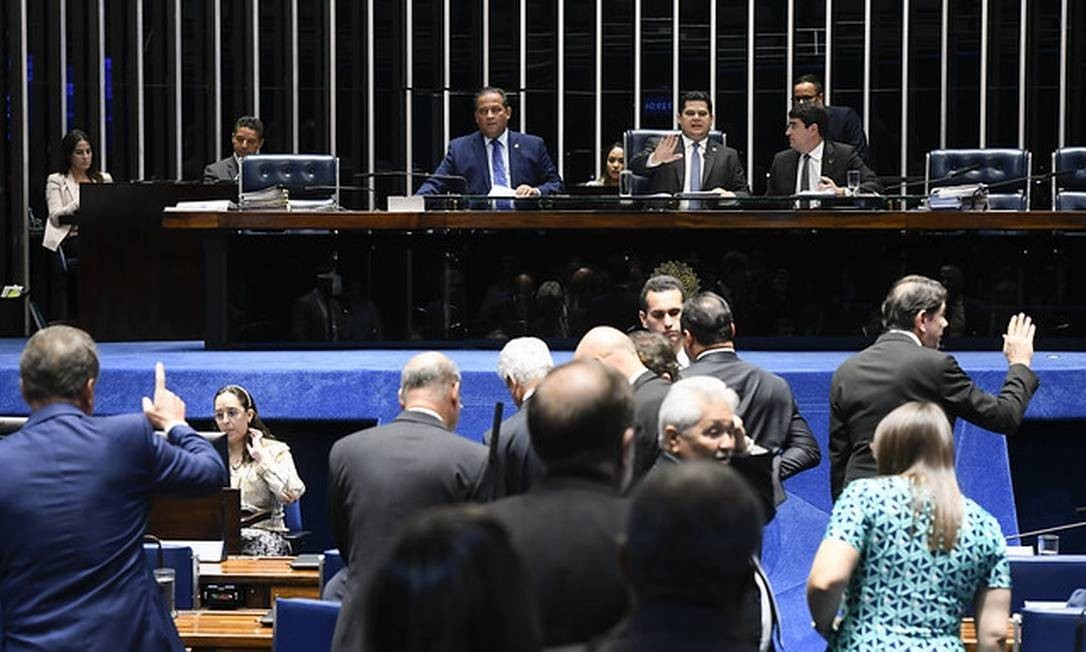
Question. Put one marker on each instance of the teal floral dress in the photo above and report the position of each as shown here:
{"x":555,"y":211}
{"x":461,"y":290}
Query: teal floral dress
{"x":902,"y":596}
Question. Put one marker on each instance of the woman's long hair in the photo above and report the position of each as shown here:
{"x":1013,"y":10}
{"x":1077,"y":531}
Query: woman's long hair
{"x":247,"y":403}
{"x":67,"y":146}
{"x":916,"y":442}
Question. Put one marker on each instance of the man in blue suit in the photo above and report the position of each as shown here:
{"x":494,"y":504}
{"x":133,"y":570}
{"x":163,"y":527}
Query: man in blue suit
{"x":76,"y":489}
{"x":495,"y":156}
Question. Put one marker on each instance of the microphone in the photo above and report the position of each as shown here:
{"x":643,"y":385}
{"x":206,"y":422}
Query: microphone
{"x":1035,"y":179}
{"x":412,"y":173}
{"x":1047,"y":530}
{"x":953,"y":174}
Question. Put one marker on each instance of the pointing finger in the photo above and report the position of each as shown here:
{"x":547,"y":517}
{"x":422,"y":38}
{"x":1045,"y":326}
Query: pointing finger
{"x":160,"y":376}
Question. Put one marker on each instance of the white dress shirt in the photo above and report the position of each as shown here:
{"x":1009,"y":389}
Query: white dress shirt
{"x":814,"y":166}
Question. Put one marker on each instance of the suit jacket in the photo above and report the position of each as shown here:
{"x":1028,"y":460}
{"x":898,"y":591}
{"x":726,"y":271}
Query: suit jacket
{"x":380,"y":477}
{"x":893,"y":371}
{"x":769,"y":411}
{"x":649,"y":391}
{"x":467,"y":157}
{"x":720,"y":168}
{"x":674,"y":625}
{"x":72,"y":570}
{"x":566,"y":529}
{"x":519,"y":466}
{"x":837,"y":160}
{"x":62,"y":199}
{"x":224,"y":170}
{"x":847,"y":128}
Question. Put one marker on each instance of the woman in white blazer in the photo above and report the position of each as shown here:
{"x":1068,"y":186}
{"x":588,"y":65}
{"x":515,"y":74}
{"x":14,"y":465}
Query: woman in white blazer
{"x":62,"y":187}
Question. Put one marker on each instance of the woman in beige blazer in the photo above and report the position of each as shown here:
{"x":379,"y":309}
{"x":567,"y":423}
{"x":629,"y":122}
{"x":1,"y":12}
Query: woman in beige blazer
{"x":62,"y":187}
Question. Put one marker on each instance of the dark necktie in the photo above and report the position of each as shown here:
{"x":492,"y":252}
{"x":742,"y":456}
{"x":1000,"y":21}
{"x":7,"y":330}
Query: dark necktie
{"x":695,"y":168}
{"x":805,"y":174}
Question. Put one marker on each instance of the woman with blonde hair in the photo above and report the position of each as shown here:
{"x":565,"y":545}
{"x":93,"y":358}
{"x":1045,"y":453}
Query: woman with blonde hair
{"x":906,"y":553}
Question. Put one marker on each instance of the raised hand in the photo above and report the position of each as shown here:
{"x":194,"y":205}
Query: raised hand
{"x":1018,"y":340}
{"x":665,"y":150}
{"x":166,"y":407}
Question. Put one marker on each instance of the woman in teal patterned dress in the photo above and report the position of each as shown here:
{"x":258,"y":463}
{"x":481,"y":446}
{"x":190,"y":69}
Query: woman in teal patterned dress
{"x":905,"y":553}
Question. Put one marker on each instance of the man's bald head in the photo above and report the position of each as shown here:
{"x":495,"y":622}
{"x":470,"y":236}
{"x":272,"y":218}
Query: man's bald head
{"x":431,"y":380}
{"x":579,"y":415}
{"x":611,"y":347}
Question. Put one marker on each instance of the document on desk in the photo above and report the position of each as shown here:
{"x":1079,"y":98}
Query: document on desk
{"x":213,"y":551}
{"x":208,"y":205}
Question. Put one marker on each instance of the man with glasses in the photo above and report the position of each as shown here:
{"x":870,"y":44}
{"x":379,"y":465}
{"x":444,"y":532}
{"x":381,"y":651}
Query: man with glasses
{"x":845,"y":125}
{"x":689,"y":161}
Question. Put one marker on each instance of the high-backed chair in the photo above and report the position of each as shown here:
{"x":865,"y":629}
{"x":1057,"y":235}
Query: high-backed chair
{"x":303,"y":625}
{"x":333,"y":563}
{"x":635,"y":140}
{"x":994,"y":167}
{"x":292,"y":518}
{"x":185,"y":566}
{"x":305,"y":176}
{"x":1069,"y":179}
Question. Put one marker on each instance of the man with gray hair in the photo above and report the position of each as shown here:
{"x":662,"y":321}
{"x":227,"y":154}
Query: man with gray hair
{"x":698,"y":422}
{"x":380,"y":476}
{"x":522,"y":365}
{"x":76,"y":489}
{"x":904,"y":365}
{"x":614,"y":348}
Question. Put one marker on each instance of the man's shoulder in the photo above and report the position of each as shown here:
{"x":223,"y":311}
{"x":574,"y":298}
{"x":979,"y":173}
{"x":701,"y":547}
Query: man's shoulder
{"x":526,"y":139}
{"x":840,"y":111}
{"x":837,"y":148}
{"x":784,"y":155}
{"x":466,"y":139}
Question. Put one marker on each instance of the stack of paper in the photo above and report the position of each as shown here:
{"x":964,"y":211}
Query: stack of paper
{"x":270,"y":197}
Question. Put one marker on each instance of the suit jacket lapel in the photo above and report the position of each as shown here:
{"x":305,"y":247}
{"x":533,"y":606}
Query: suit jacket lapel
{"x":514,"y":159}
{"x":791,"y":167}
{"x":679,"y":165}
{"x":708,"y":160}
{"x":478,"y":150}
{"x":830,"y":160}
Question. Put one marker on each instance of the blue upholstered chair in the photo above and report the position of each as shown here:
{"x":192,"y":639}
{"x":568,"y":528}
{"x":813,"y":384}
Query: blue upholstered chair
{"x":1069,"y":188}
{"x":307,"y":176}
{"x":333,"y":562}
{"x":1045,"y":577}
{"x":292,"y":518}
{"x":184,"y":565}
{"x":1045,"y":630}
{"x":635,"y":140}
{"x":304,"y":625}
{"x":994,"y":166}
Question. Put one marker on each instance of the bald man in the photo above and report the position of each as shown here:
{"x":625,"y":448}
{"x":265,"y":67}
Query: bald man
{"x":379,"y":477}
{"x":615,"y":349}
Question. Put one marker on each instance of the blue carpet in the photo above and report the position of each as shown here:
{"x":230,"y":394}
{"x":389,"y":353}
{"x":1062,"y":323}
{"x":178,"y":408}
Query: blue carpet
{"x":350,"y":385}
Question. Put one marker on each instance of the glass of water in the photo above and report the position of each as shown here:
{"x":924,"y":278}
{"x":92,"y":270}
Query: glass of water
{"x":166,"y":580}
{"x":1048,"y":544}
{"x":853,"y":182}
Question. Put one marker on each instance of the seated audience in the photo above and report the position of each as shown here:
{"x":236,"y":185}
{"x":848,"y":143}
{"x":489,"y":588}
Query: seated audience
{"x":495,"y":156}
{"x":812,"y":162}
{"x":261,"y":467}
{"x":452,"y":583}
{"x":566,"y":526}
{"x":907,"y":552}
{"x":522,"y":365}
{"x":656,"y":353}
{"x":690,"y":543}
{"x":614,"y":162}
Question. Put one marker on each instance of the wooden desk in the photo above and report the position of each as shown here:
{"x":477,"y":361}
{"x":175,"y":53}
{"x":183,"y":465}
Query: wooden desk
{"x":223,"y":630}
{"x":262,"y":579}
{"x":969,"y":635}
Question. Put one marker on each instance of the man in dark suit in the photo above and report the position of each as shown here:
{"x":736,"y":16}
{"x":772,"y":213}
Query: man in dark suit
{"x":689,"y":550}
{"x":614,"y":348}
{"x":814,"y":163}
{"x":566,"y":527}
{"x":670,"y":162}
{"x":845,"y":125}
{"x":495,"y":156}
{"x":522,"y":365}
{"x":76,"y":490}
{"x":379,"y":477}
{"x":904,"y":365}
{"x":248,"y":138}
{"x":660,"y":311}
{"x":766,"y":405}
{"x":698,"y":423}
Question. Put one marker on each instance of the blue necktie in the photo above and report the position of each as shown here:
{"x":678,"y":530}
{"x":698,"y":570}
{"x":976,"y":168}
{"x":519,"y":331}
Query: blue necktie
{"x":500,"y":178}
{"x":695,"y":169}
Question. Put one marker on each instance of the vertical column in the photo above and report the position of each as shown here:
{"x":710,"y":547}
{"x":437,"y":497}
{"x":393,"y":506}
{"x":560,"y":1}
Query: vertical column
{"x":750,"y":85}
{"x":789,"y":56}
{"x":486,"y":42}
{"x":294,"y":126}
{"x":712,"y":54}
{"x":446,"y":77}
{"x":408,"y":92}
{"x":637,"y":64}
{"x":523,"y":15}
{"x":1023,"y":21}
{"x":370,"y":152}
{"x":178,"y":119}
{"x":827,"y":77}
{"x":217,"y":74}
{"x":944,"y":53}
{"x":675,"y":61}
{"x":599,"y":84}
{"x":561,"y":87}
{"x":63,"y":60}
{"x":904,"y":91}
{"x":140,"y":126}
{"x":256,"y":59}
{"x":982,"y":139}
{"x":332,"y":78}
{"x":867,"y":66}
{"x":21,"y":153}
{"x":1061,"y":138}
{"x":103,"y":148}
